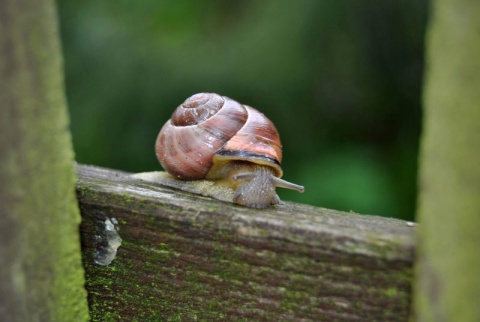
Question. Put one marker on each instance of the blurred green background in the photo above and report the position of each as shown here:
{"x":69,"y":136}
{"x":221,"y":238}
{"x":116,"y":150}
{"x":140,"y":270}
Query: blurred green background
{"x":340,"y":79}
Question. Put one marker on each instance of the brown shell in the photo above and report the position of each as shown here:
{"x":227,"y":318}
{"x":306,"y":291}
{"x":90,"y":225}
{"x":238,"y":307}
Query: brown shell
{"x":209,"y":129}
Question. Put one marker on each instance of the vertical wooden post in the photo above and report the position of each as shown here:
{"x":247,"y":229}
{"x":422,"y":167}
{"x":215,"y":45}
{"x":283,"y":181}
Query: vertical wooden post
{"x":41,"y":277}
{"x":448,"y":261}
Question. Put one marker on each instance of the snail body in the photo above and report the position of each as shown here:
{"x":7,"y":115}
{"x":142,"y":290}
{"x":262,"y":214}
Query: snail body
{"x":212,"y":137}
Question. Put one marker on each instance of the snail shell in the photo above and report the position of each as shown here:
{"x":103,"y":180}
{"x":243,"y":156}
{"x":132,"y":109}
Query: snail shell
{"x":215,"y":138}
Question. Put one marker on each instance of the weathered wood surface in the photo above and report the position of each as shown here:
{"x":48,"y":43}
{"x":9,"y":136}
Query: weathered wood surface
{"x":187,"y":257}
{"x":448,"y":287}
{"x":41,"y":274}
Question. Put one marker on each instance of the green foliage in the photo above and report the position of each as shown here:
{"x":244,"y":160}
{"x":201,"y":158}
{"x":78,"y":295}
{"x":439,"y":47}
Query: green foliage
{"x":332,"y":75}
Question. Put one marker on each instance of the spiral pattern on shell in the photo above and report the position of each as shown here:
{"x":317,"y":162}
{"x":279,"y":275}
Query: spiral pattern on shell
{"x":209,"y":126}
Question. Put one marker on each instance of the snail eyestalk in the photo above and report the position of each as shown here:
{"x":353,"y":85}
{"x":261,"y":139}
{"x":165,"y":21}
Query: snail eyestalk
{"x":277,"y":181}
{"x":288,"y":185}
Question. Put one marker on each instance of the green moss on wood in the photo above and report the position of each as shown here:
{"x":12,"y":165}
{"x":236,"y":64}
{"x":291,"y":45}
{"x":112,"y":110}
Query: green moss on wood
{"x":448,"y":284}
{"x":197,"y":259}
{"x":42,"y":277}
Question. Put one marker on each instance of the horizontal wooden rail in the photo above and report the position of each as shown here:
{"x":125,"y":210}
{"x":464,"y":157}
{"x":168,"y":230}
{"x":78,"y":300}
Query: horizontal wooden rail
{"x":154,"y":253}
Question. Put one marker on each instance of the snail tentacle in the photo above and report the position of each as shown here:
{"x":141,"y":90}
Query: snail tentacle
{"x":288,"y":185}
{"x":277,"y":181}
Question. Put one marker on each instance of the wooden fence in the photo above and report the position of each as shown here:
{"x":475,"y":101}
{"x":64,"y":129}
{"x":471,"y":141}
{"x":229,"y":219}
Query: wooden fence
{"x":153,"y":253}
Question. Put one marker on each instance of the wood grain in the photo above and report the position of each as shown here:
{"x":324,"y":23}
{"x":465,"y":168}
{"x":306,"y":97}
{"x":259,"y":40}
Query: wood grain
{"x":188,"y":257}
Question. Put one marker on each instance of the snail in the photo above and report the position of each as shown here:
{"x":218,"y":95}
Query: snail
{"x":215,"y":146}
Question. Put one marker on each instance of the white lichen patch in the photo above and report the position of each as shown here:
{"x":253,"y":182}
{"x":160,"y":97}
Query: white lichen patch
{"x":108,"y":240}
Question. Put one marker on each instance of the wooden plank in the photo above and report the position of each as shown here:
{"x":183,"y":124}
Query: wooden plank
{"x":189,"y":257}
